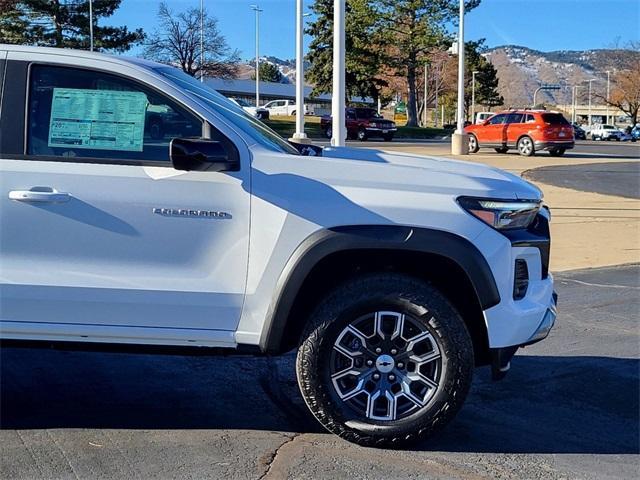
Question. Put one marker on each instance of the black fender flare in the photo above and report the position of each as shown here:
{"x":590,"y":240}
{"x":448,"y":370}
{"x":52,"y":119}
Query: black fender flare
{"x":371,"y":237}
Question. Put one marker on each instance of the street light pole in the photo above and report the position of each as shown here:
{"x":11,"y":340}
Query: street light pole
{"x":589,"y":114}
{"x":201,"y":40}
{"x":91,"y":25}
{"x":299,"y":136}
{"x":339,"y":89}
{"x":473,"y":96}
{"x":459,"y":142}
{"x":257,"y":9}
{"x":608,"y":87}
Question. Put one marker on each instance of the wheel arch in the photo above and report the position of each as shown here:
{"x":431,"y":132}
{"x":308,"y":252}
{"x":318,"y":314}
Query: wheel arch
{"x":331,"y":256}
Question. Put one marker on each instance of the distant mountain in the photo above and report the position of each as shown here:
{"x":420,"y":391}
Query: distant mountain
{"x":286,"y":67}
{"x":521,"y":70}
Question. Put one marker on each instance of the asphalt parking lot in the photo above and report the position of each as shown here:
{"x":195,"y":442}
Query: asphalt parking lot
{"x":620,"y":179}
{"x":568,"y":409}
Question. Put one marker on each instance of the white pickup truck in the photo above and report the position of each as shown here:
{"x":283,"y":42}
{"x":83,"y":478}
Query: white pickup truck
{"x":286,"y":107}
{"x":393,"y":275}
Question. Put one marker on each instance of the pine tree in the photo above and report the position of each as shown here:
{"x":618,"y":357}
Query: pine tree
{"x":64,"y":23}
{"x":414,"y":28}
{"x":364,"y":51}
{"x":268,"y":73}
{"x":486,"y":78}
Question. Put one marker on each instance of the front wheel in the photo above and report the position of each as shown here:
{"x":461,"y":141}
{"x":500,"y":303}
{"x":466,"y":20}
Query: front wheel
{"x":385,"y":360}
{"x":362,"y":134}
{"x":329,"y":132}
{"x":525,"y":147}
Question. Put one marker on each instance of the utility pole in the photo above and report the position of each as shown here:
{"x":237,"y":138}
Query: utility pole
{"x":257,"y":9}
{"x":339,"y":89}
{"x":608,"y":88}
{"x":459,"y":141}
{"x":91,"y":25}
{"x":473,"y":96}
{"x":299,"y":136}
{"x":201,"y":40}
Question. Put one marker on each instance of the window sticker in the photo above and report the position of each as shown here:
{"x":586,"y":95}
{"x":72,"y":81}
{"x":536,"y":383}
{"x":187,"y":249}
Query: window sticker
{"x":97,"y":119}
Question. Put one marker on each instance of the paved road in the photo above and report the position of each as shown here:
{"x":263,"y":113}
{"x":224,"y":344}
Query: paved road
{"x":583,"y":149}
{"x":621,"y":179}
{"x":568,"y":409}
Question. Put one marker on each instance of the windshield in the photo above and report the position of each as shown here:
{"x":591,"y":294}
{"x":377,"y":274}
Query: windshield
{"x":257,"y":130}
{"x":367,"y":113}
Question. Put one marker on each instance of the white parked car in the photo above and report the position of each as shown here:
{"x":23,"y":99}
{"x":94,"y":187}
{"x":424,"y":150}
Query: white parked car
{"x":605,"y":132}
{"x":392,"y":275}
{"x":286,"y":107}
{"x":482,"y":116}
{"x":260,"y":113}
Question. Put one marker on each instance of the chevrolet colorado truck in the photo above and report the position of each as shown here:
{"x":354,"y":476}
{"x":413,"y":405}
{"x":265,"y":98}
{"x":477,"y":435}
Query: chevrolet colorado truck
{"x":392,"y":275}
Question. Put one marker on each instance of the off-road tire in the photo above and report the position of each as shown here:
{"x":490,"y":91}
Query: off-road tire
{"x":371,"y":293}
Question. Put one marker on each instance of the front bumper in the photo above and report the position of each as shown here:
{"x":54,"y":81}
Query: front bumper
{"x":380,"y":131}
{"x":551,"y":144}
{"x":501,"y":357}
{"x":520,"y":318}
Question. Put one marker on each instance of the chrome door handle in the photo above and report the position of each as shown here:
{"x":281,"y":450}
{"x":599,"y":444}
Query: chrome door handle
{"x":39,"y":195}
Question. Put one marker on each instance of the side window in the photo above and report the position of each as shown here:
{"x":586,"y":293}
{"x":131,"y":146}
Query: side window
{"x":514,"y":118}
{"x":90,"y":114}
{"x":530,"y":118}
{"x":351,"y":115}
{"x":497,"y":120}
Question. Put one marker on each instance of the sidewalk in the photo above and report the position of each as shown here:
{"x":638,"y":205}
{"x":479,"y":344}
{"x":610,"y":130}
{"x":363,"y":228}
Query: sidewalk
{"x":588,"y":229}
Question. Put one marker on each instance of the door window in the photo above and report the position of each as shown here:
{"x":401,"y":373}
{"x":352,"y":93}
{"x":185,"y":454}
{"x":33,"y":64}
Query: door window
{"x":77,"y":113}
{"x":497,"y":120}
{"x":514,"y":118}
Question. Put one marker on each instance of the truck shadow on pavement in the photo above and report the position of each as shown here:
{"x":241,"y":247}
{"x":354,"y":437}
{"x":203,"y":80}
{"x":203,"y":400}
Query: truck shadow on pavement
{"x":547,"y":404}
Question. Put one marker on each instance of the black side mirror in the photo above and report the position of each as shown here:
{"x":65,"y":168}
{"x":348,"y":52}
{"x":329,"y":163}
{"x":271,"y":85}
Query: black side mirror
{"x":201,"y":155}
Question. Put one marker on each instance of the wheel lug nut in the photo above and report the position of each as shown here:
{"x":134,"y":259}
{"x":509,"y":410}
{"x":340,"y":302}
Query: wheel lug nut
{"x":392,"y":378}
{"x":400,"y":365}
{"x":369,"y":362}
{"x":378,"y":350}
{"x":376,"y":376}
{"x":393,"y":351}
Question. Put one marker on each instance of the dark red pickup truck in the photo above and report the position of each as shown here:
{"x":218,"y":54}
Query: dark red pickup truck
{"x":362,"y":123}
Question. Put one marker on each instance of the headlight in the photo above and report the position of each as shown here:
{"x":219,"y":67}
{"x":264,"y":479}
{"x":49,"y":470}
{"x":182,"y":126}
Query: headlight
{"x":502,"y":214}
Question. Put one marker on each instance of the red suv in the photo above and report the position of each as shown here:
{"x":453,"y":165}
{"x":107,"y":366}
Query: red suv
{"x":526,"y":130}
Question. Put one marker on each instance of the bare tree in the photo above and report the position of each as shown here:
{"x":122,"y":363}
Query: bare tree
{"x":625,"y":91}
{"x":177,"y":42}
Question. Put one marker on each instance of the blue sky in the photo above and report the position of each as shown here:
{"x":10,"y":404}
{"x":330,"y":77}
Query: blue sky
{"x":539,"y":24}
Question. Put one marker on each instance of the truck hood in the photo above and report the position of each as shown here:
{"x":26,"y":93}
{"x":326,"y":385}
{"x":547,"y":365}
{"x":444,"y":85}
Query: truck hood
{"x":386,"y":170}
